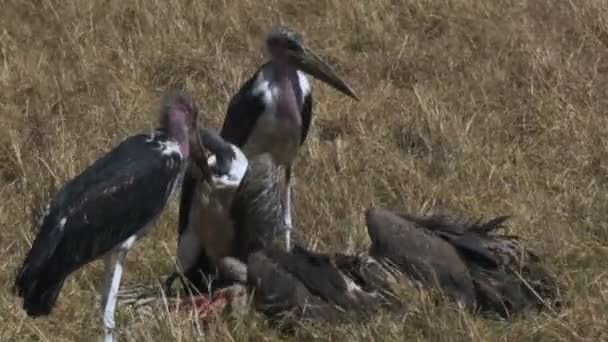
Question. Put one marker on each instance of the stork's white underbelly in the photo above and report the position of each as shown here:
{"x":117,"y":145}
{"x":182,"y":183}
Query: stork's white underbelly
{"x":277,"y":136}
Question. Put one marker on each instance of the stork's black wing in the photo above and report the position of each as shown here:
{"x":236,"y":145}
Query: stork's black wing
{"x":94,"y":212}
{"x":243,"y":112}
{"x":306,"y":116}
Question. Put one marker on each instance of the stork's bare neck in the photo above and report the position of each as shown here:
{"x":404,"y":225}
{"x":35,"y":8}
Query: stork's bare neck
{"x":178,"y":120}
{"x":286,"y":77}
{"x":179,"y":131}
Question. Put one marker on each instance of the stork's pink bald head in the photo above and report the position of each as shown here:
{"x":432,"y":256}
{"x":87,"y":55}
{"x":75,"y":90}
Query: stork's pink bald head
{"x":178,"y":119}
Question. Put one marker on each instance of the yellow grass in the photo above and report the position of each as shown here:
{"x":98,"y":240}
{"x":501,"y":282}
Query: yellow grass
{"x":483,"y":107}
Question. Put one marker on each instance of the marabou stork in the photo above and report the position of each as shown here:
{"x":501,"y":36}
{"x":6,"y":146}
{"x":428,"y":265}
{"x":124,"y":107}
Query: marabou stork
{"x":205,"y":230}
{"x":106,"y":208}
{"x":219,"y":230}
{"x":272,"y":111}
{"x":219,"y":226}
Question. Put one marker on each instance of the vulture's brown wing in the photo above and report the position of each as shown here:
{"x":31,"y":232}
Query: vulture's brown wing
{"x":420,"y":254}
{"x":279,"y":294}
{"x":257,"y":207}
{"x":519,"y":282}
{"x":320,"y":274}
{"x":465,"y":235}
{"x":507,"y":277}
{"x":302,"y":280}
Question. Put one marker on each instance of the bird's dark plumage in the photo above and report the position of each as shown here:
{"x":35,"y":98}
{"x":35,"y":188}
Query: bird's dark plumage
{"x":281,"y":294}
{"x":463,"y":234}
{"x":306,"y":116}
{"x":254,"y":214}
{"x":468,"y":260}
{"x":106,"y":204}
{"x":257,"y":207}
{"x":246,"y":107}
{"x":272,"y":111}
{"x":419,"y":254}
{"x":224,"y":154}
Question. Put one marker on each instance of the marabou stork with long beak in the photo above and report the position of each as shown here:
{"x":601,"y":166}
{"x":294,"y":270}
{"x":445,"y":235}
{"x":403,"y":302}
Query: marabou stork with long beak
{"x":205,"y":227}
{"x":272,"y":111}
{"x":106,"y":208}
{"x":221,"y":224}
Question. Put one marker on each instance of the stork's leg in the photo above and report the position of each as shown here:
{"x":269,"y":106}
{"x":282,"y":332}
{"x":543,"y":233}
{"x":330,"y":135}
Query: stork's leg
{"x":287,"y":208}
{"x":107,"y":277}
{"x":111,"y":286}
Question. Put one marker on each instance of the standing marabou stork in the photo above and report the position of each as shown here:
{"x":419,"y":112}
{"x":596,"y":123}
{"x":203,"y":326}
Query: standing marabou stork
{"x":221,"y":224}
{"x":105,"y":209}
{"x":219,"y":228}
{"x":205,"y":228}
{"x":272,"y":111}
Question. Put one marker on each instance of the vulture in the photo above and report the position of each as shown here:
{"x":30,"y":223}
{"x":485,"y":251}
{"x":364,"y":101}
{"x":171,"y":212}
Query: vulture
{"x":470,"y":262}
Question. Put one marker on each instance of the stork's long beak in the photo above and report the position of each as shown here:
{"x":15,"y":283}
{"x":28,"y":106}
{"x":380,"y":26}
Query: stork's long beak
{"x":199,"y":154}
{"x":310,"y":63}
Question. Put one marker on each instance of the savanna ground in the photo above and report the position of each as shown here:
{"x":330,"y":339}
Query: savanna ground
{"x":482,"y":107}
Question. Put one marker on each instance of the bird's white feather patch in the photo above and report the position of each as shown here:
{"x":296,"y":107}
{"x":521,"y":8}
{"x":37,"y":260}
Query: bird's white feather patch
{"x":62,"y":223}
{"x":235,"y":175}
{"x":170,"y":147}
{"x":239,"y":164}
{"x":271,"y":127}
{"x":151,"y":135}
{"x":263,"y":87}
{"x":304,"y":85}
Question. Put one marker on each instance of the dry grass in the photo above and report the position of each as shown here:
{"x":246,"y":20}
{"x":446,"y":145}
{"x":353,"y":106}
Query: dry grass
{"x":484,"y":107}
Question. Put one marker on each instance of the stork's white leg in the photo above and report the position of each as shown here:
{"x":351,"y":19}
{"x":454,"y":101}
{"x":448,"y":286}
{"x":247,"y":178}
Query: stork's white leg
{"x":111,"y":292}
{"x":287,"y":208}
{"x":107,"y":277}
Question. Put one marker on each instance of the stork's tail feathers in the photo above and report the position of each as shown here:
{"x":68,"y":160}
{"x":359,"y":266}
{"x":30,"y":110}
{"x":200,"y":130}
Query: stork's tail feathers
{"x":38,"y":282}
{"x":39,"y":293}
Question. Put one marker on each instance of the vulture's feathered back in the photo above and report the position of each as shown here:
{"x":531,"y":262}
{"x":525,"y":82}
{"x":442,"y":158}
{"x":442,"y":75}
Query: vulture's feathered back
{"x":500,"y":274}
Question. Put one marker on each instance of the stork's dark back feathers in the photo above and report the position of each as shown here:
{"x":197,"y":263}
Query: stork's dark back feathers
{"x":237,"y":126}
{"x":247,"y":106}
{"x":103,"y":206}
